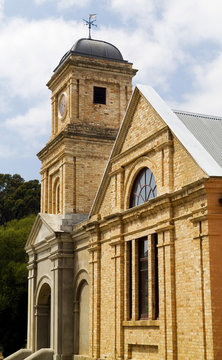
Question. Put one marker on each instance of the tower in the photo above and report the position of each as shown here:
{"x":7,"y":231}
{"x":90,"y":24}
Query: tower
{"x":90,"y":88}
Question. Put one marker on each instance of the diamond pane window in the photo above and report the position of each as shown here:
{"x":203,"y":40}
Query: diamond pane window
{"x":144,"y":188}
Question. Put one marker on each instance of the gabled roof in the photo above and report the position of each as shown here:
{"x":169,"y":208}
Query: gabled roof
{"x":195,"y":145}
{"x":201,"y":135}
{"x":45,"y":225}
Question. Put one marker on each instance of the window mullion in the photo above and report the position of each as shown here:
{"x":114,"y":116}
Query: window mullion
{"x":151,"y":310}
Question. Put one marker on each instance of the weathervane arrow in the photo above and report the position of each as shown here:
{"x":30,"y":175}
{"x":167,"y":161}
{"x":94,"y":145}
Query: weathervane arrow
{"x":90,"y":22}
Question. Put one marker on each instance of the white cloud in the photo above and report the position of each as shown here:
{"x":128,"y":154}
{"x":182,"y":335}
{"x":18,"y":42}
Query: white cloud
{"x":2,"y":2}
{"x":40,"y":2}
{"x":208,"y":84}
{"x":65,"y":4}
{"x":23,"y":134}
{"x":29,"y":51}
{"x":159,"y":37}
{"x":32,"y":125}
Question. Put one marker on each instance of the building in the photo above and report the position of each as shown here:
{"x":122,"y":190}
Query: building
{"x":125,"y":256}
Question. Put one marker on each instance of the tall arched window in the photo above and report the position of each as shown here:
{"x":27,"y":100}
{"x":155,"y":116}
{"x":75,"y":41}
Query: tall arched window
{"x":144,"y":188}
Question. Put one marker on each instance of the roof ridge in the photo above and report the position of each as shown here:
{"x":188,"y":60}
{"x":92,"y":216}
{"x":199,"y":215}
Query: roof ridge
{"x":211,"y":117}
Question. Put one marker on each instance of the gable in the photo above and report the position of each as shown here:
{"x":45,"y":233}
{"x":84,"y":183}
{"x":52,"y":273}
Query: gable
{"x":150,"y":129}
{"x":202,"y":157}
{"x":43,"y":232}
{"x":144,"y":123}
{"x":44,"y":226}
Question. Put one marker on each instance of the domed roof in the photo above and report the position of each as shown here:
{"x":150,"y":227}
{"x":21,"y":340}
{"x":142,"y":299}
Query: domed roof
{"x":97,"y":48}
{"x":94,"y":48}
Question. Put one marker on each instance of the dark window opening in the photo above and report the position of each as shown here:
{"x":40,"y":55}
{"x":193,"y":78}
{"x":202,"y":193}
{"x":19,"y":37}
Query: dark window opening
{"x":143,"y":277}
{"x":99,"y":95}
{"x":146,"y":285}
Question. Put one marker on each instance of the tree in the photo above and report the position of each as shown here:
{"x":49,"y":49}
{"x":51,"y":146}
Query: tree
{"x":13,"y":283}
{"x":17,"y":197}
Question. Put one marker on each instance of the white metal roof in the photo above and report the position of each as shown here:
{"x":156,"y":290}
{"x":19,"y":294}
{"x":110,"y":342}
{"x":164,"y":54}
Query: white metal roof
{"x":201,"y":135}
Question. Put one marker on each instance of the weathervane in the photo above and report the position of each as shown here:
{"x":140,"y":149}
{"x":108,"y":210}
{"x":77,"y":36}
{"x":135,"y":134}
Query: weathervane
{"x":90,"y":22}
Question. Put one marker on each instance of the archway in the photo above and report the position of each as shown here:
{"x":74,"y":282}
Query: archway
{"x":84,"y":318}
{"x":43,"y":309}
{"x":81,"y":314}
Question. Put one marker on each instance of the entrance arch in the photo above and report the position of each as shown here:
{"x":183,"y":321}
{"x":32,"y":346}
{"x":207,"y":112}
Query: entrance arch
{"x":84,"y":318}
{"x":43,"y":310}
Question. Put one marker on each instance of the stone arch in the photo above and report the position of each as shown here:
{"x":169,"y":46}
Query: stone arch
{"x":81,"y":313}
{"x":138,"y":165}
{"x":43,"y":314}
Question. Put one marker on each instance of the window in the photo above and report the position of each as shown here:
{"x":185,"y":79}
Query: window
{"x":143,"y":277}
{"x":143,"y":286}
{"x":99,"y":95}
{"x":144,"y":188}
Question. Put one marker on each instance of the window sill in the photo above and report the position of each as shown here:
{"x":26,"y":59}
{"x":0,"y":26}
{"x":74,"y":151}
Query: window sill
{"x":148,"y":323}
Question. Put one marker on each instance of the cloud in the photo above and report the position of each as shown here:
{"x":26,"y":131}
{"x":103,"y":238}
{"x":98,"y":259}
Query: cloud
{"x":206,"y":98}
{"x":162,"y":38}
{"x":33,"y":124}
{"x":2,"y":2}
{"x":65,"y":4}
{"x":35,"y":47}
{"x":6,"y":151}
{"x":25,"y":134}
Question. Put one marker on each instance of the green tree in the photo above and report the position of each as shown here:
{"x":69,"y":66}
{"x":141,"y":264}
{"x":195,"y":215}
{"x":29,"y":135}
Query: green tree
{"x":13,"y":283}
{"x":18,"y":198}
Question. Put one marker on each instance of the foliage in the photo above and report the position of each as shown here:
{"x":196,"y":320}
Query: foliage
{"x":17,"y":197}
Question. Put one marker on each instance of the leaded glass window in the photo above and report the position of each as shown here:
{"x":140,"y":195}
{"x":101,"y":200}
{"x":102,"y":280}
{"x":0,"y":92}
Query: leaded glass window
{"x":144,"y":188}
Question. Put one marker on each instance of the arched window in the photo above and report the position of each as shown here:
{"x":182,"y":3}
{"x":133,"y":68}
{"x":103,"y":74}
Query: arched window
{"x":144,"y":188}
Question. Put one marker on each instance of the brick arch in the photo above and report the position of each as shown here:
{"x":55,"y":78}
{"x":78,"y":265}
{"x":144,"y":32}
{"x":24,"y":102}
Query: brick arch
{"x":138,"y":165}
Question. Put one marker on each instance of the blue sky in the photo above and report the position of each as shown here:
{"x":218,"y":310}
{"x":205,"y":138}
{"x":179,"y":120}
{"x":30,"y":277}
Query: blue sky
{"x":175,"y":44}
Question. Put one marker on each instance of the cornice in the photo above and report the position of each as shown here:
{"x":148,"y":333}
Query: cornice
{"x":77,"y":131}
{"x":89,"y":63}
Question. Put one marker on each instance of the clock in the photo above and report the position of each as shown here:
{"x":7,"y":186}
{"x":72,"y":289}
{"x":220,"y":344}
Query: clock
{"x":62,"y":105}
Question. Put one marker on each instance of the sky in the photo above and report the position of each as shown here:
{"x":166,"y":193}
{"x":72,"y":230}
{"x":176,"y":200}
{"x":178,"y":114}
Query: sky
{"x":175,"y":44}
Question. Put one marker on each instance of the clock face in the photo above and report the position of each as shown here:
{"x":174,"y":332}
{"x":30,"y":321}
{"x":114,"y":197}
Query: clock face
{"x":62,"y":105}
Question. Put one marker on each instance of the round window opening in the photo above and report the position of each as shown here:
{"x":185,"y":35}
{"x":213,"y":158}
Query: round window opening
{"x":144,"y":188}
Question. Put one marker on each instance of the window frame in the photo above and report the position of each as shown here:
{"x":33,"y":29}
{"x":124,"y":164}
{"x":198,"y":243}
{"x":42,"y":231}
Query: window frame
{"x":134,"y":300}
{"x":144,"y":188}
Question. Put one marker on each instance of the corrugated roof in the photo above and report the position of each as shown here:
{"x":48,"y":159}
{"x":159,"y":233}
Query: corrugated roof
{"x":207,"y":130}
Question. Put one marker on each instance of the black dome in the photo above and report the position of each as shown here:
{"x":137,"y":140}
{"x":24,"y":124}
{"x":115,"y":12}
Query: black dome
{"x":94,"y":48}
{"x":97,"y":48}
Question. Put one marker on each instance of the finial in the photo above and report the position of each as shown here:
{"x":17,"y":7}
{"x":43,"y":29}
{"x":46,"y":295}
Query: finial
{"x":90,"y":22}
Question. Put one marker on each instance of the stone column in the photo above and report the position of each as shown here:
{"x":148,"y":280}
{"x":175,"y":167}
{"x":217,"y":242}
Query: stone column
{"x":31,"y":300}
{"x":72,"y":88}
{"x":167,"y":291}
{"x":95,"y":268}
{"x":67,"y":180}
{"x":62,"y":305}
{"x":118,"y":259}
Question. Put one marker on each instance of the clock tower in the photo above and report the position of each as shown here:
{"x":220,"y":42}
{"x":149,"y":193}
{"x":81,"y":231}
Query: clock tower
{"x":91,"y":87}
